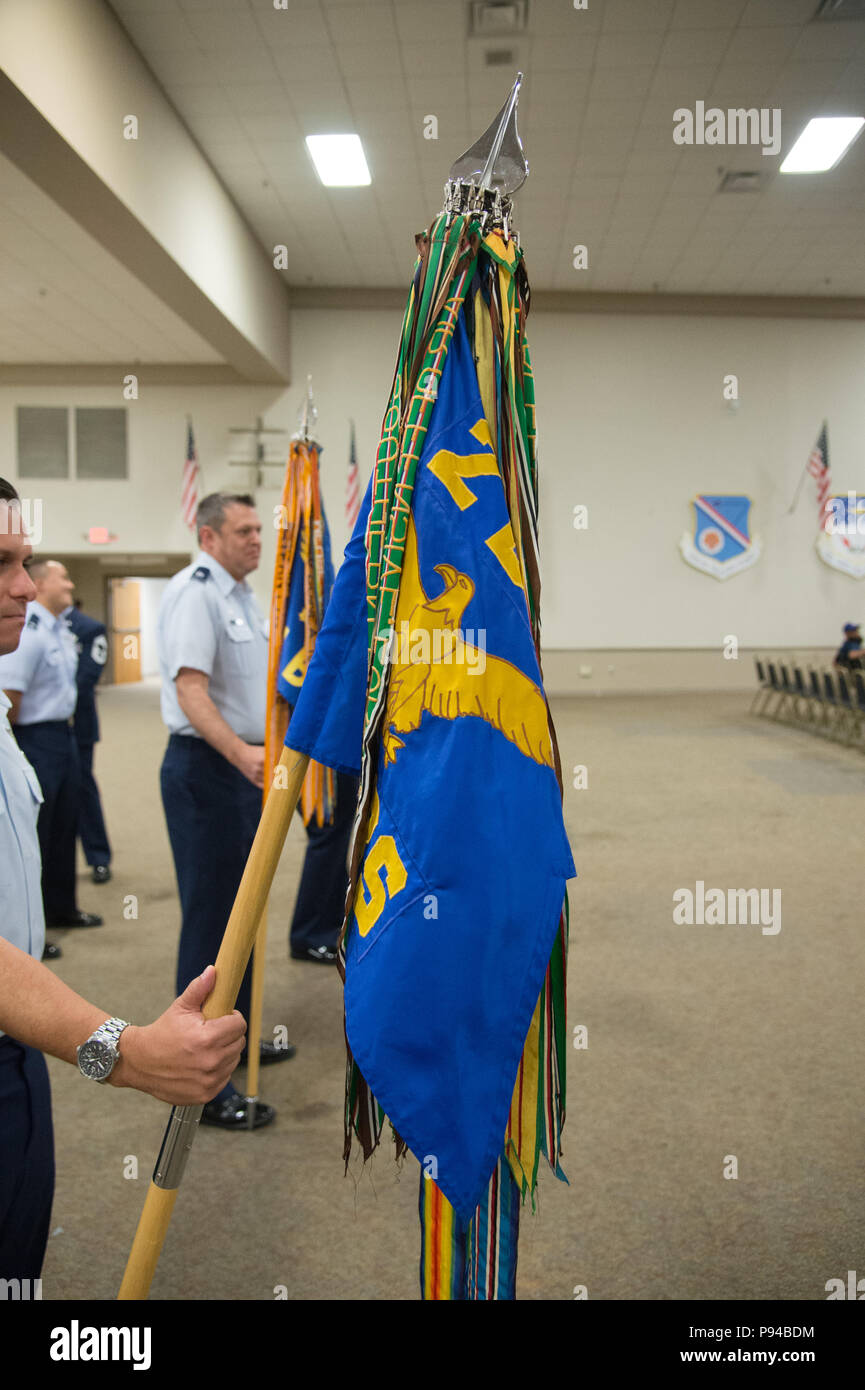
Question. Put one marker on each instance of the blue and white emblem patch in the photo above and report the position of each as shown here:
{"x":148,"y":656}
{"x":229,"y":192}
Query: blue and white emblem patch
{"x":841,"y":542}
{"x":720,"y":544}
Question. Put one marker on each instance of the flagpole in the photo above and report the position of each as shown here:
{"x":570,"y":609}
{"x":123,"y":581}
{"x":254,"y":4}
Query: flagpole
{"x":256,"y":1005}
{"x":793,"y":504}
{"x":231,"y":964}
{"x":273,"y":739}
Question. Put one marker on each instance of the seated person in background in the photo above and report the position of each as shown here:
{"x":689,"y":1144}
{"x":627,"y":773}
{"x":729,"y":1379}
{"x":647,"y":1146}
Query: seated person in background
{"x":850,"y":654}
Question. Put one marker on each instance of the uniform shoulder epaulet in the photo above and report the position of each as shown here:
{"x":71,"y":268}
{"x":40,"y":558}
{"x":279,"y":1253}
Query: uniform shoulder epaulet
{"x":33,"y":620}
{"x":201,"y":573}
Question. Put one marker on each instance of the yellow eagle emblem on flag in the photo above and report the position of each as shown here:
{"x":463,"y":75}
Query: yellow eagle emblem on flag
{"x":457,"y":679}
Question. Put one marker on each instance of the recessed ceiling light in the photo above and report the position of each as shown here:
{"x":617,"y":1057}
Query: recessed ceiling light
{"x":339,"y":160}
{"x":822,"y":144}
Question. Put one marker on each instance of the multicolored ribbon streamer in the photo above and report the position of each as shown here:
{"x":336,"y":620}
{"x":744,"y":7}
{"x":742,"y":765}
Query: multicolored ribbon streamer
{"x":302,"y":563}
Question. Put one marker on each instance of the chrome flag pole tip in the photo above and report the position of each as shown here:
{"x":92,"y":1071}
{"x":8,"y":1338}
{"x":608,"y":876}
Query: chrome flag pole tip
{"x":483,"y":180}
{"x":307,"y":417}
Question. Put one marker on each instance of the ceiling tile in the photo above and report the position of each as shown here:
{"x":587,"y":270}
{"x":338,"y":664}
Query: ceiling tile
{"x":295,"y":27}
{"x":682,"y":47}
{"x":313,"y":63}
{"x":609,"y":83}
{"x":231,"y":29}
{"x":320,"y":108}
{"x":369,"y":60}
{"x":761,"y":45}
{"x":784,"y":12}
{"x":415,"y":19}
{"x":377,"y":94}
{"x":628,"y":50}
{"x":624,"y":16}
{"x":160,"y":31}
{"x":362,"y":24}
{"x":707,"y":14}
{"x":571,"y":52}
{"x":555,"y":18}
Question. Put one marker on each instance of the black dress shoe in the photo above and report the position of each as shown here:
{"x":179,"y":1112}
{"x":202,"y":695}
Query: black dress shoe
{"x":101,"y":873}
{"x":51,"y":952}
{"x":75,"y":919}
{"x":322,"y":955}
{"x":233,"y":1113}
{"x":268,"y":1053}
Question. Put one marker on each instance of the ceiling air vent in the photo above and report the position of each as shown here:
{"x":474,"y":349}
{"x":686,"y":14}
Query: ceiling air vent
{"x":841,"y":9}
{"x":489,"y":17}
{"x":745,"y":181}
{"x":500,"y":58}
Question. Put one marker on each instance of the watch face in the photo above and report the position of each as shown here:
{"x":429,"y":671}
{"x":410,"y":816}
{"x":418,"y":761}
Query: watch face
{"x":96,"y":1059}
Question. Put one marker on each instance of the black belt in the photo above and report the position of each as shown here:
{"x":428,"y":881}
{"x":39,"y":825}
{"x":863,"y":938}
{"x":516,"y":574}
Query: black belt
{"x":45,"y":724}
{"x":192,"y":739}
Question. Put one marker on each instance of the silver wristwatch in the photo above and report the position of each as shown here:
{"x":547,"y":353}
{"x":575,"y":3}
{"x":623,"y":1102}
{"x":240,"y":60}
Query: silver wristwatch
{"x":97,"y":1057}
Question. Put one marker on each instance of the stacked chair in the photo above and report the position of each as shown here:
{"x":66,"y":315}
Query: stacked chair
{"x":828,"y":702}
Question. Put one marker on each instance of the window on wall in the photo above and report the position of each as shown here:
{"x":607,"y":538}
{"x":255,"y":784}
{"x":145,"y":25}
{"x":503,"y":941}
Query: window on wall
{"x":100,"y":443}
{"x":43,"y":441}
{"x":96,"y":447}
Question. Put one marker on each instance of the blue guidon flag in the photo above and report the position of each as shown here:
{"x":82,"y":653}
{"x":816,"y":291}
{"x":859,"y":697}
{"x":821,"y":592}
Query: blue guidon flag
{"x":720,"y":543}
{"x":463,"y":869}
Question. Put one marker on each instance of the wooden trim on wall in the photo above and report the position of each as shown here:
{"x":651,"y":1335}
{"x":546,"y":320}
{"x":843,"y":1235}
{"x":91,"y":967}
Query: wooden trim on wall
{"x":112,"y":374}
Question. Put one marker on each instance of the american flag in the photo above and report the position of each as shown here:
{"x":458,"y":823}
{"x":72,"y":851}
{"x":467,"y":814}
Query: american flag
{"x":818,"y":467}
{"x":189,"y":490}
{"x":352,"y":486}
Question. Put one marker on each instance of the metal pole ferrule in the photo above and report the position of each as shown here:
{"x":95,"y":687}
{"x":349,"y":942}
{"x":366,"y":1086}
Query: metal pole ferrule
{"x":176,"y":1143}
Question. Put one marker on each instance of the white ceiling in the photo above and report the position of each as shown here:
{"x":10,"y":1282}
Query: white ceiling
{"x":596,"y":116}
{"x":63,"y":298}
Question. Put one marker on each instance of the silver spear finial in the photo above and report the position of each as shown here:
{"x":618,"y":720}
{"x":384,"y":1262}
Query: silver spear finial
{"x":307,"y":416}
{"x":483,"y":179}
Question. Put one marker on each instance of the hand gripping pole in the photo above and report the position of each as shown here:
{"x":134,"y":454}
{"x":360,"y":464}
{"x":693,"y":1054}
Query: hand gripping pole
{"x":231,"y":963}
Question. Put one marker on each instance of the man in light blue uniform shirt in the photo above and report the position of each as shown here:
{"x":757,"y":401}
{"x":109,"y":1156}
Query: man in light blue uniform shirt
{"x":213,"y":647}
{"x":181,"y":1058}
{"x":39,"y":680}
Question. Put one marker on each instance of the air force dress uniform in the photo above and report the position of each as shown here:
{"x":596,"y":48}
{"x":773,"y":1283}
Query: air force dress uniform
{"x":210,"y":622}
{"x":43,"y":669}
{"x":92,"y":646}
{"x":26,"y":1138}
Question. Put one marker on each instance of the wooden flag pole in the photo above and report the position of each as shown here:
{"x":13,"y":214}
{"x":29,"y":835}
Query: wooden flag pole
{"x":256,"y":1004}
{"x":231,"y":963}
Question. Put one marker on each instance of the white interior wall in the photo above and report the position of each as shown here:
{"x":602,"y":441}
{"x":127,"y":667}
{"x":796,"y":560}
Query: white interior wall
{"x":150,"y":591}
{"x":632,"y":424}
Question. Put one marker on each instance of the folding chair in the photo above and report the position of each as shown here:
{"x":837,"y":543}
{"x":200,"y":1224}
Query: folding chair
{"x":764,"y":690}
{"x":776,"y":689}
{"x":789,"y":688}
{"x":852,"y":715}
{"x":803,"y":695}
{"x":818,"y":700}
{"x":833,"y":700}
{"x":859,"y":689}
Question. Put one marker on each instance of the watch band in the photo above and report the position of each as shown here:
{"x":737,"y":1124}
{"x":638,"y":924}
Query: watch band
{"x":109,"y":1031}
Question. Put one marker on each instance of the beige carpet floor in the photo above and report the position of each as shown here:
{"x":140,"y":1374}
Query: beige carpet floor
{"x":703,"y":1042}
